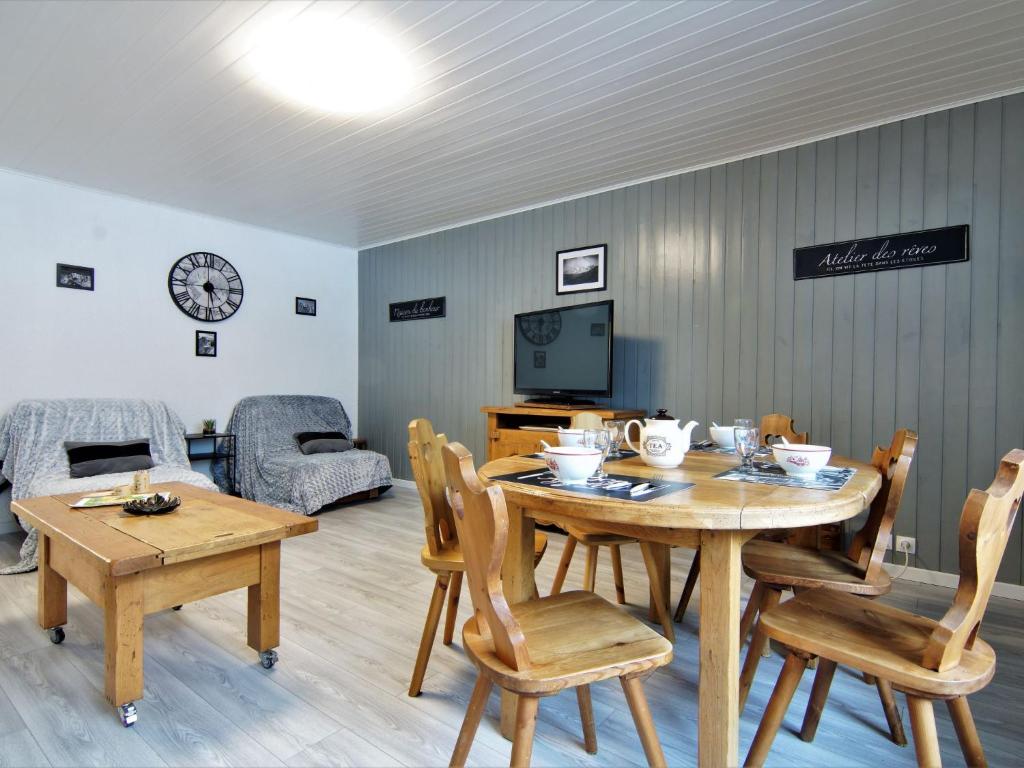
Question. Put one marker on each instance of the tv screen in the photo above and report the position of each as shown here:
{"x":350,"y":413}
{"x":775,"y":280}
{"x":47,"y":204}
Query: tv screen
{"x":565,"y":351}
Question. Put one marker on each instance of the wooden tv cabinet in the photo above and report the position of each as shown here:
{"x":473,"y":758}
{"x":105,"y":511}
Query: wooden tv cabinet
{"x":506,"y":436}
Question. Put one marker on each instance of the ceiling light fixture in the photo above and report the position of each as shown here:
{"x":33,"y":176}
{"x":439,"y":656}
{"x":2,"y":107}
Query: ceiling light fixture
{"x":334,"y":64}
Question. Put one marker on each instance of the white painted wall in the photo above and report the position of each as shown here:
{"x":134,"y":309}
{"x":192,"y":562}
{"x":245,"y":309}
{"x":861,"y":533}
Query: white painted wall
{"x":128,"y":339}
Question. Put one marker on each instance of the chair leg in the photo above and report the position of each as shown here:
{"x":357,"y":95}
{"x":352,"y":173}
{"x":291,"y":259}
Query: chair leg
{"x":454,"y":590}
{"x":750,"y":612}
{"x":657,"y":594}
{"x":587,"y":718}
{"x":819,"y":695}
{"x":691,"y":582}
{"x":926,"y":738}
{"x":892,"y":712}
{"x":620,"y":587}
{"x":429,"y":631}
{"x":786,"y":686}
{"x":563,"y":565}
{"x":590,"y":568}
{"x":475,"y":710}
{"x":637,"y":700}
{"x":770,"y":600}
{"x":966,"y":732}
{"x":526,"y":723}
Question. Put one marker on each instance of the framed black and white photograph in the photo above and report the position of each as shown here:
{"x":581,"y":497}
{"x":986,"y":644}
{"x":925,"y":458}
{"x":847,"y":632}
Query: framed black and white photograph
{"x":206,"y":343}
{"x":79,"y":278}
{"x":305,"y":306}
{"x":581,"y":270}
{"x":540,"y":359}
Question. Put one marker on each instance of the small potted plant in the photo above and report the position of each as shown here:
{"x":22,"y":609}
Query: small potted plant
{"x":209,"y":426}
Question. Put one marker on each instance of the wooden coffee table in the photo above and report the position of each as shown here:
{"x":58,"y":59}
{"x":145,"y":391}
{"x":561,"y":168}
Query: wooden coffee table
{"x":130,"y":566}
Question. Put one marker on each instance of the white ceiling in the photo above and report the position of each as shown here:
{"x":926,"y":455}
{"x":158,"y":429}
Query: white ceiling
{"x":519,"y":102}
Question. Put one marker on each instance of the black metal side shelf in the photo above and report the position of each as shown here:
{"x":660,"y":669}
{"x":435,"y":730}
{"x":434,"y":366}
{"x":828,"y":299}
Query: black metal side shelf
{"x":223,"y":446}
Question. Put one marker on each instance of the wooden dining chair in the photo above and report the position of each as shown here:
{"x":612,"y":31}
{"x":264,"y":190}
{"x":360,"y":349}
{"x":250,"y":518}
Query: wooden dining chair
{"x":925,"y":659}
{"x":586,"y":420}
{"x":778,"y":425}
{"x":442,"y":554}
{"x":593,"y":543}
{"x":543,"y":646}
{"x":777,"y":567}
{"x":772,"y":427}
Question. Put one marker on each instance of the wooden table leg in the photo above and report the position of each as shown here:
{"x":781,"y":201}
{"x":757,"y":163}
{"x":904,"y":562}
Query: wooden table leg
{"x":662,"y":554}
{"x":718,"y":718}
{"x":517,"y":577}
{"x":264,"y":630}
{"x":53,"y":590}
{"x":122,"y":638}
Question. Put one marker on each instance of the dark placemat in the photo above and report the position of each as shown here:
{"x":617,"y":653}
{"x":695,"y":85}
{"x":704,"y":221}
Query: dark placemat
{"x":625,"y":455}
{"x":827,"y":479}
{"x":544,"y":480}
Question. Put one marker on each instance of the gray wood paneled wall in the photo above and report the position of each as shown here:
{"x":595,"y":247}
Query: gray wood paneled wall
{"x":711,"y":325}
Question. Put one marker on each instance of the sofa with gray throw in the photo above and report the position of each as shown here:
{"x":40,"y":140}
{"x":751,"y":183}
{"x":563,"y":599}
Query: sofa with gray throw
{"x":34,"y":438}
{"x":273,"y":469}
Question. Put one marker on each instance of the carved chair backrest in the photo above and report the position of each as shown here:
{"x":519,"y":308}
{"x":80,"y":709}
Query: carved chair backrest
{"x":777,"y":425}
{"x":586,"y":420}
{"x":428,"y":470}
{"x":868,"y":546}
{"x":985,"y":525}
{"x":482,"y":521}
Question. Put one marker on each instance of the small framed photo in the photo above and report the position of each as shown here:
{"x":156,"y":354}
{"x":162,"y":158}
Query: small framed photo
{"x":540,"y":359}
{"x":305,"y":306}
{"x":581,"y":270}
{"x":206,"y":343}
{"x":79,"y":278}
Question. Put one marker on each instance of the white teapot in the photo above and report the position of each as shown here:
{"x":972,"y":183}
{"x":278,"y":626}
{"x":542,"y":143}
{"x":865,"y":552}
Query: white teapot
{"x":663,"y":443}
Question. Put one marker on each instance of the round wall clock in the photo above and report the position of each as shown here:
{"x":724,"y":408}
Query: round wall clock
{"x":205,"y":287}
{"x":541,"y":329}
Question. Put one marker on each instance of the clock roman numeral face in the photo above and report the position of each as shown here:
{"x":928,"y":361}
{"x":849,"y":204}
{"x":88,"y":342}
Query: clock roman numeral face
{"x":205,"y":287}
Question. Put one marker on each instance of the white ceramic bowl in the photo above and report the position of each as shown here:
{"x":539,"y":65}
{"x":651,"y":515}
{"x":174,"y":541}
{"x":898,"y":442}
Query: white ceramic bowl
{"x":570,"y":437}
{"x":801,"y":459}
{"x":572,"y":464}
{"x":723,"y":437}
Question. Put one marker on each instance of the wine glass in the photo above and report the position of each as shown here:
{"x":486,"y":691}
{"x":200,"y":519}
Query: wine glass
{"x":616,"y":434}
{"x":747,"y":441}
{"x":601,"y":440}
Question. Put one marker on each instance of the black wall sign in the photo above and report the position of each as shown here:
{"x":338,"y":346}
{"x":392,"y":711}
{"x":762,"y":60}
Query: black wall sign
{"x":419,"y":309}
{"x":946,"y":245}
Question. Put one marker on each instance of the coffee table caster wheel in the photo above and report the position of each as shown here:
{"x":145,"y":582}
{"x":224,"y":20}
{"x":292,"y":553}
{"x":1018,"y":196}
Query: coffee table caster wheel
{"x":268,"y":658}
{"x":128,"y":714}
{"x":176,"y":608}
{"x":57,"y":635}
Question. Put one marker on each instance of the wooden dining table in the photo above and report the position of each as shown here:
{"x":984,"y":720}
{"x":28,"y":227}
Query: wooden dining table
{"x":716,"y":515}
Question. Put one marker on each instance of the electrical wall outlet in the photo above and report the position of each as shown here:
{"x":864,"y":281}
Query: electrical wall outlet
{"x":906,"y":544}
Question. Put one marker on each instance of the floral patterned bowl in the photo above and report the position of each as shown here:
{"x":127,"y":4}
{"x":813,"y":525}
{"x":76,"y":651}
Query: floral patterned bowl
{"x":572,"y":465}
{"x":570,"y":437}
{"x":801,"y":459}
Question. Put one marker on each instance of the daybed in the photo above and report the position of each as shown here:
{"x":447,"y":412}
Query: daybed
{"x":272,"y":469}
{"x":32,"y":437}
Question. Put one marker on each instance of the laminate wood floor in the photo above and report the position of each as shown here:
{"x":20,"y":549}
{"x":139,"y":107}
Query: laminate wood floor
{"x":354,"y":597}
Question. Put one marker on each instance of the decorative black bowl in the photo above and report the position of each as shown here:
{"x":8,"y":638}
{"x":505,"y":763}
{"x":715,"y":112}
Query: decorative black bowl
{"x":155,"y":505}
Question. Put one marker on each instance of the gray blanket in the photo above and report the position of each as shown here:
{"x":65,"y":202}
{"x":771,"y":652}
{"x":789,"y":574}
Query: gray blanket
{"x":32,"y":436}
{"x":272,"y":469}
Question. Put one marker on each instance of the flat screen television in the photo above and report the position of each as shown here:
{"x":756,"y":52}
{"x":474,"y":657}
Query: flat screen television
{"x":565,"y":352}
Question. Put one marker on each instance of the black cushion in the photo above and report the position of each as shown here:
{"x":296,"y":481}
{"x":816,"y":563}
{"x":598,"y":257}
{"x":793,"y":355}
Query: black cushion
{"x":105,"y":458}
{"x":322,"y":442}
